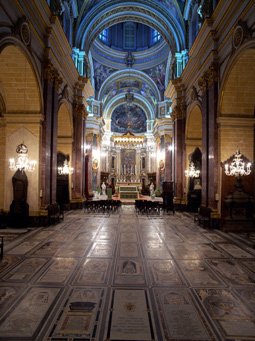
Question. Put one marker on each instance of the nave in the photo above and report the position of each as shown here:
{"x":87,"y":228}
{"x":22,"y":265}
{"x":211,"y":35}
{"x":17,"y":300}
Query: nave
{"x":125,"y":276}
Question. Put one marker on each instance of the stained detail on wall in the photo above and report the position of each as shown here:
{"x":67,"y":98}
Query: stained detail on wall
{"x":158,"y":74}
{"x":128,"y":118}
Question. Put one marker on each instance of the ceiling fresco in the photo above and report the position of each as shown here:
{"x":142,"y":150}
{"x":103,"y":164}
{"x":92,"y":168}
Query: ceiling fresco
{"x":128,"y":118}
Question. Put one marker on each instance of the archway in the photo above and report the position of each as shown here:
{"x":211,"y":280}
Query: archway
{"x":237,"y":118}
{"x":64,"y":149}
{"x":193,"y":143}
{"x":21,"y":116}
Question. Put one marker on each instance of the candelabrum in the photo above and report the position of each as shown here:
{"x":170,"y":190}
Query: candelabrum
{"x":238,"y":167}
{"x":191,"y":172}
{"x":22,"y":162}
{"x":65,"y":169}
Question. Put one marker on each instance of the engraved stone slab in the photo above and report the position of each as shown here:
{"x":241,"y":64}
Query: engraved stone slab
{"x":128,"y":237}
{"x":198,"y":273}
{"x":7,"y":262}
{"x":93,"y":271}
{"x":28,"y":315}
{"x":155,"y":250}
{"x":130,"y":316}
{"x":181,"y":320}
{"x":48,"y":249}
{"x":129,"y":250}
{"x":102,"y":250}
{"x":59,"y":271}
{"x":24,"y":247}
{"x":232,"y":272}
{"x":232,"y":317}
{"x":129,"y":271}
{"x":164,"y":272}
{"x":247,"y":295}
{"x":250,"y":264}
{"x":8,"y":294}
{"x":235,"y":251}
{"x":79,"y":315}
{"x":25,"y":270}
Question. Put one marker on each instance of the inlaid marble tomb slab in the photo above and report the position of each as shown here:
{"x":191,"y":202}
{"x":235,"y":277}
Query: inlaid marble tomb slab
{"x":164,"y":273}
{"x":93,"y":271}
{"x":100,"y":249}
{"x":232,"y":272}
{"x":129,"y":250}
{"x":24,"y":247}
{"x":130,"y":317}
{"x":236,"y":251}
{"x":47,"y":249}
{"x":25,"y":270}
{"x":128,"y":237}
{"x":58,"y":272}
{"x":80,"y":315}
{"x":8,"y":262}
{"x":27,"y":317}
{"x":155,"y":250}
{"x":198,"y":273}
{"x":233,"y":319}
{"x":247,"y":295}
{"x":129,"y":272}
{"x":249,"y":264}
{"x":192,"y":251}
{"x":8,"y":295}
{"x":180,"y":319}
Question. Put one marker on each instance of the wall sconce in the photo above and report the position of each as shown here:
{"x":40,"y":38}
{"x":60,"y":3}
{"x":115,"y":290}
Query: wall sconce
{"x":191,"y":172}
{"x":65,"y":169}
{"x":22,"y":161}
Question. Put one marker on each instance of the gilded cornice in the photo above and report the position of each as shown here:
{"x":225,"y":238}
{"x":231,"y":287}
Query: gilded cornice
{"x":209,"y":77}
{"x":80,"y":109}
{"x":179,"y":112}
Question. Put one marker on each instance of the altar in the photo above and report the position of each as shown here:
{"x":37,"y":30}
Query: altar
{"x":128,"y":190}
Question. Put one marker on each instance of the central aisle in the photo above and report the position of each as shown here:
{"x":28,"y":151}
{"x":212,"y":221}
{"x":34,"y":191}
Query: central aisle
{"x":127,"y":277}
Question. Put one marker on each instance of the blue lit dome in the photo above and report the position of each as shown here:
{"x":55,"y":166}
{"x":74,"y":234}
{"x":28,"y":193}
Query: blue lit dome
{"x":130,"y":36}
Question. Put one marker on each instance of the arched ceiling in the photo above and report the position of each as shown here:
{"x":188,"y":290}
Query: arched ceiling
{"x":150,"y":68}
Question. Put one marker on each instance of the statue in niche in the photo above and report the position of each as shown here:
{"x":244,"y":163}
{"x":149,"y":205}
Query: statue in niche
{"x":152,"y":189}
{"x":103,"y":188}
{"x":19,"y":208}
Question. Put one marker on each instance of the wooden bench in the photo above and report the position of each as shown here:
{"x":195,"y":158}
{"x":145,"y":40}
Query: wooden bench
{"x":203,"y":217}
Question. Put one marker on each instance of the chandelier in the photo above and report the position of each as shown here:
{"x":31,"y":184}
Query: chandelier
{"x":22,"y":162}
{"x":65,"y":169}
{"x":191,"y":172}
{"x":237,"y":167}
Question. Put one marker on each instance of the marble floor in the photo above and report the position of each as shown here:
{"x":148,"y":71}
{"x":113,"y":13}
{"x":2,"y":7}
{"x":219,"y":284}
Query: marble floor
{"x":125,"y":276}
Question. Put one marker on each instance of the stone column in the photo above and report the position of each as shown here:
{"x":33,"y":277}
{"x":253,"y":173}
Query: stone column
{"x":52,"y":82}
{"x":168,"y":158}
{"x":209,"y":88}
{"x":79,"y":115}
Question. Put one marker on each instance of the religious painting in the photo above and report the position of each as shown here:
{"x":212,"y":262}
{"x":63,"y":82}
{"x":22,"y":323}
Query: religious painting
{"x":130,"y":118}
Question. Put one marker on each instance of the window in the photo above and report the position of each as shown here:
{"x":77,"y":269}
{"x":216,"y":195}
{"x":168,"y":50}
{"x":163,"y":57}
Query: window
{"x":155,"y":36}
{"x":129,"y":36}
{"x":103,"y":36}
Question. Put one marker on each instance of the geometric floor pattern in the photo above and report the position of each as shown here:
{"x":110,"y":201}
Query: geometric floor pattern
{"x":127,"y":277}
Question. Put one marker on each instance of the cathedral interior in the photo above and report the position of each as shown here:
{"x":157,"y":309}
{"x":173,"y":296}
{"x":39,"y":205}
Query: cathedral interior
{"x":127,"y":178}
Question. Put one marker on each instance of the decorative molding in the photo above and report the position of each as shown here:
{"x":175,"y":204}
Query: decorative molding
{"x":194,"y":94}
{"x":80,"y":109}
{"x":240,"y":34}
{"x":22,"y":29}
{"x":49,"y":71}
